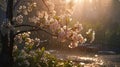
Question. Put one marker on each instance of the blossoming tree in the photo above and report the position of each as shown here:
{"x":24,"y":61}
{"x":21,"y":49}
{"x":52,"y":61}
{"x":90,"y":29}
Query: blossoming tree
{"x":48,"y":19}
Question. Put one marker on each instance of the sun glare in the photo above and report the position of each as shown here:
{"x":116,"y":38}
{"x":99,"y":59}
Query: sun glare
{"x":91,"y":9}
{"x":75,"y":1}
{"x":78,"y":1}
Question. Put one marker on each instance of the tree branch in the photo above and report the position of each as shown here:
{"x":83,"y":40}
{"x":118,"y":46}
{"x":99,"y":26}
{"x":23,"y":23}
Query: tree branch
{"x":45,"y":5}
{"x":35,"y":29}
{"x":18,"y":1}
{"x":25,"y":25}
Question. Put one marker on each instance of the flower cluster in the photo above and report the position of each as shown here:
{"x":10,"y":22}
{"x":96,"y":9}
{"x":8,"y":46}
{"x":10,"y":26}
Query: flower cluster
{"x":57,"y":24}
{"x":20,"y":37}
{"x":25,"y":40}
{"x":18,"y":19}
{"x":91,"y":35}
{"x":25,"y":9}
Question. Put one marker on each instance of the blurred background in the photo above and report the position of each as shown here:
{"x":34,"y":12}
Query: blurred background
{"x":103,"y":16}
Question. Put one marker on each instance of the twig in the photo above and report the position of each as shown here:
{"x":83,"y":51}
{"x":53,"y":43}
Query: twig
{"x":45,"y":5}
{"x":25,"y":25}
{"x":18,"y":1}
{"x":35,"y":29}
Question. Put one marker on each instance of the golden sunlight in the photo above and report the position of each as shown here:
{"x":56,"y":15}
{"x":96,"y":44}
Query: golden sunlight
{"x":78,"y":1}
{"x":91,"y":9}
{"x":74,"y":1}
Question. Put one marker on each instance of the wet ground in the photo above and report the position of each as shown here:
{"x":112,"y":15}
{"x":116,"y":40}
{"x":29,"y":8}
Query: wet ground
{"x":111,"y":60}
{"x":89,"y":59}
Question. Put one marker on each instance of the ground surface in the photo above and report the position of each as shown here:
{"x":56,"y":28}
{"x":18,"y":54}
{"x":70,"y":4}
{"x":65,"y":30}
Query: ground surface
{"x":90,"y":60}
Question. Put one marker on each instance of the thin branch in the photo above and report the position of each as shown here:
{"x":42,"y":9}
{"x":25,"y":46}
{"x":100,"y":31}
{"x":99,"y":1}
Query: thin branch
{"x":16,"y":4}
{"x":25,"y":31}
{"x":36,"y":29}
{"x":25,"y":25}
{"x":45,"y":5}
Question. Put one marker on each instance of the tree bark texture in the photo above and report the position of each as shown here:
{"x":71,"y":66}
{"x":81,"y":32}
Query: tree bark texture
{"x":7,"y":40}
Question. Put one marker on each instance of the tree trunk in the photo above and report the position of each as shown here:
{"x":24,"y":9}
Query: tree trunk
{"x":7,"y":40}
{"x":6,"y":59}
